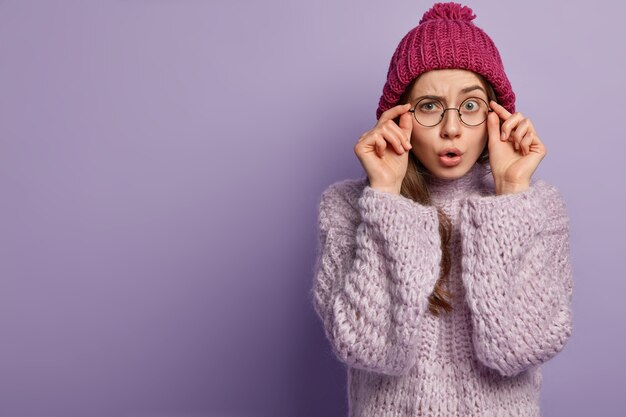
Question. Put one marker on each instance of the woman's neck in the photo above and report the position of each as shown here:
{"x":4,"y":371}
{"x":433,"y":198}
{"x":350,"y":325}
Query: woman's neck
{"x":453,"y":189}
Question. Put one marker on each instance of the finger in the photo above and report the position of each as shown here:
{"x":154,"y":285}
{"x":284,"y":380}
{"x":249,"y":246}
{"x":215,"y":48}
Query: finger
{"x":521,"y":131}
{"x":530,"y":140}
{"x":537,"y":149}
{"x":393,"y":112}
{"x":510,"y":124}
{"x":493,"y":127}
{"x":395,"y":139}
{"x":368,"y":142}
{"x":518,"y":134}
{"x":381,"y":145}
{"x":537,"y":146}
{"x":532,"y":136}
{"x":500,"y":111}
{"x":397,"y":135}
{"x":525,"y":143}
{"x":378,"y":141}
{"x":406,"y":125}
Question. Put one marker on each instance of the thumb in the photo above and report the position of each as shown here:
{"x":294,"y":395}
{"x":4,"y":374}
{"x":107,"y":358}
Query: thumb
{"x":493,"y":129}
{"x":406,"y":124}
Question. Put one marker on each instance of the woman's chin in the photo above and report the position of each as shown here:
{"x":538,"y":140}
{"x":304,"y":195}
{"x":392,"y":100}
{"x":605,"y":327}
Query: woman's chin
{"x":449,"y":173}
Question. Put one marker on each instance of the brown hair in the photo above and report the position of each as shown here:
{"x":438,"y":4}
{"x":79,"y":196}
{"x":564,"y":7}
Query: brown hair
{"x":415,"y":187}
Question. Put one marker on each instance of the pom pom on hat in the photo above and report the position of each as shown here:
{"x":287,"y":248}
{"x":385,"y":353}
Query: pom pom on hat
{"x":449,"y":11}
{"x":446,"y":37}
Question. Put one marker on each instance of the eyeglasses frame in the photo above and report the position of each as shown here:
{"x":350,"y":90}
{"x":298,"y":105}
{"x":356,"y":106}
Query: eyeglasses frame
{"x":458,"y":110}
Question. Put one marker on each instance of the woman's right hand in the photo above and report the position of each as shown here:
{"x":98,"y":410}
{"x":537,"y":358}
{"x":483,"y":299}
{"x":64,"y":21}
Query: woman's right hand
{"x":386,"y":166}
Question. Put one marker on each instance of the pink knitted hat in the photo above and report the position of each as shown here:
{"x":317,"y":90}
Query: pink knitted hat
{"x":445,"y":38}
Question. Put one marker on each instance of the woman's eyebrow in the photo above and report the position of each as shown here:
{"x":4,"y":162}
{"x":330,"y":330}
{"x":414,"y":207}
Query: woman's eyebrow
{"x":463,"y":91}
{"x":472,"y":88}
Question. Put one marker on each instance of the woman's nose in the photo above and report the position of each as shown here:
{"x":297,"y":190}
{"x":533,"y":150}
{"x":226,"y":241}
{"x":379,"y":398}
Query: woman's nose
{"x":451,"y":124}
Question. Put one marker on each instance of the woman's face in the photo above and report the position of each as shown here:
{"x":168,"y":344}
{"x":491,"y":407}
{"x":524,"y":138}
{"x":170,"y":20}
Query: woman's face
{"x":429,"y":142}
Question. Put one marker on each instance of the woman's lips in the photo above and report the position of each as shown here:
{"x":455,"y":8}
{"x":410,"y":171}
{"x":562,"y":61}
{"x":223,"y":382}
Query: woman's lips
{"x":450,"y":161}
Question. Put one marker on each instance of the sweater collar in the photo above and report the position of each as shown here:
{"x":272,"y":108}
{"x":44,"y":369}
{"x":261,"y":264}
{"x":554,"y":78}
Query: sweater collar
{"x":445,"y":189}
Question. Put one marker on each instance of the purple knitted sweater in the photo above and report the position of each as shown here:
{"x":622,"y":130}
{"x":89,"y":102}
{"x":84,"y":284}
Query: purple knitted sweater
{"x":511,"y":285}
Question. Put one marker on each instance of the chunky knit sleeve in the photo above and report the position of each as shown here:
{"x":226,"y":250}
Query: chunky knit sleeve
{"x":378,"y":262}
{"x":517,"y":275}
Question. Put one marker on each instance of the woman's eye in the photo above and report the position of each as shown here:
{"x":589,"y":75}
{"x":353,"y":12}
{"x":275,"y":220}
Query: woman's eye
{"x":470,"y":105}
{"x":428,"y":106}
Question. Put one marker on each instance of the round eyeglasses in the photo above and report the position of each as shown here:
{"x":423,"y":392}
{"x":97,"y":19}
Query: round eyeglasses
{"x":429,"y":111}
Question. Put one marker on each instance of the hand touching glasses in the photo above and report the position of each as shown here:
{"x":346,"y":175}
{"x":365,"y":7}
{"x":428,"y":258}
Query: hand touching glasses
{"x":515,"y":150}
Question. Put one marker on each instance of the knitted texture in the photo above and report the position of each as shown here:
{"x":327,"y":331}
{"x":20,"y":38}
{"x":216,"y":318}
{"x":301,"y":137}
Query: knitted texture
{"x":510,"y":281}
{"x":445,"y":37}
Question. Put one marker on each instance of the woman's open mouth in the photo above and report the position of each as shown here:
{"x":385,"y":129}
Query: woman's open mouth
{"x":451,"y":158}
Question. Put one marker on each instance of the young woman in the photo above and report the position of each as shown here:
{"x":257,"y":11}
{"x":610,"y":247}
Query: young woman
{"x":441,"y":287}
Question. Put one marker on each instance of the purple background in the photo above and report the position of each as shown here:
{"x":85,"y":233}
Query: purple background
{"x":160,"y":168}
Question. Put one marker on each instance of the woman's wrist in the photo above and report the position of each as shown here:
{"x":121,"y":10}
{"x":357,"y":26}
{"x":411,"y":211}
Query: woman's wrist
{"x":387,"y":189}
{"x":503,"y":187}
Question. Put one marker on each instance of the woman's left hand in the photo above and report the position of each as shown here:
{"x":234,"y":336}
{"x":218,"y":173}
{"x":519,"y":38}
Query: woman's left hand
{"x":515,"y":150}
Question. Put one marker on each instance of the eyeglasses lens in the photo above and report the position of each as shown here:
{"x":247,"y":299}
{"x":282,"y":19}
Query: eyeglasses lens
{"x":473,"y":111}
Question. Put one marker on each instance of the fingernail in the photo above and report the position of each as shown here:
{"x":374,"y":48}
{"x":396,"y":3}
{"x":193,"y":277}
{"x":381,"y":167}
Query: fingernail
{"x":503,"y":136}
